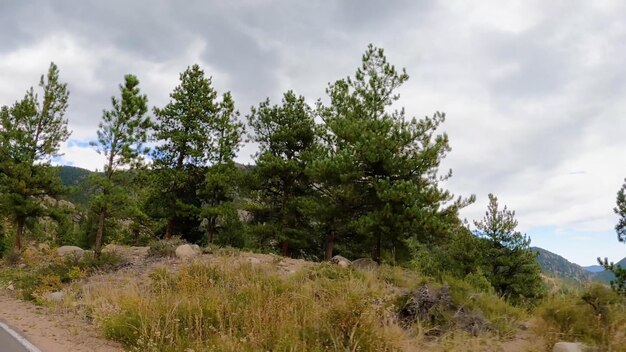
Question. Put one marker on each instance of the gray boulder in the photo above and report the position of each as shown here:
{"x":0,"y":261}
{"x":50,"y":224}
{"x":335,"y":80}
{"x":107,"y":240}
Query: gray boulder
{"x":186,"y":251}
{"x":73,"y":251}
{"x":365,"y":264}
{"x":569,"y":347}
{"x":56,"y":296}
{"x":340,"y":261}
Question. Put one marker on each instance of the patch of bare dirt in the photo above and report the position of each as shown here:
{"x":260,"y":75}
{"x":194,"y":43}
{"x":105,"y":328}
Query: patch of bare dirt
{"x":53,"y":331}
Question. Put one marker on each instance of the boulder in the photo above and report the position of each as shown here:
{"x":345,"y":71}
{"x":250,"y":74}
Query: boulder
{"x":56,"y":296}
{"x":186,"y":251}
{"x":74,"y":251}
{"x":365,"y":264}
{"x":341,"y":261}
{"x":569,"y":347}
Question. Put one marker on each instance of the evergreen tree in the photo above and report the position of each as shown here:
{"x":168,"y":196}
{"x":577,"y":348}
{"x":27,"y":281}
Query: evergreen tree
{"x":287,"y":141}
{"x":619,"y":283}
{"x":222,"y":177}
{"x":382,"y":167}
{"x":122,"y":134}
{"x":31,"y":133}
{"x":510,"y":265}
{"x":195,"y":130}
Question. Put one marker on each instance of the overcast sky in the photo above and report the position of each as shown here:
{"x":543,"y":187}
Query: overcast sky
{"x":534,"y":91}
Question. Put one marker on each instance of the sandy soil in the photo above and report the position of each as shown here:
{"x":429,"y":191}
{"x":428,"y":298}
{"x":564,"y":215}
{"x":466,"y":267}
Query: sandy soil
{"x":52,"y":331}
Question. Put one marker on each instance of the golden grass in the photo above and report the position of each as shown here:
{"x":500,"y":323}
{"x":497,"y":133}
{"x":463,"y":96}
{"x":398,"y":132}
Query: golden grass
{"x":227,"y":306}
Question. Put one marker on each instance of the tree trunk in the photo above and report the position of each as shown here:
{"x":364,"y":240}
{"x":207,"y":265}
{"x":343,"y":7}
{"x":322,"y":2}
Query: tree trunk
{"x":209,"y":234}
{"x":169,"y":230}
{"x":100,"y":231}
{"x":284,"y":248}
{"x":330,"y":244}
{"x":18,"y":235}
{"x":377,"y":251}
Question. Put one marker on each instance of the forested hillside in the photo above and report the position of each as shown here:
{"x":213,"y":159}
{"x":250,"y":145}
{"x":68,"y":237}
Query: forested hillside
{"x":556,"y":266}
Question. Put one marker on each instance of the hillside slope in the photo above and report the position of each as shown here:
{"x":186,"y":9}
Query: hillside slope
{"x":554,"y":265}
{"x":607,"y":276}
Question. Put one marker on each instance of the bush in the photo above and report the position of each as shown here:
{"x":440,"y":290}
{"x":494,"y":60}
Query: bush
{"x":164,"y":248}
{"x":596,"y":316}
{"x":41,"y":272}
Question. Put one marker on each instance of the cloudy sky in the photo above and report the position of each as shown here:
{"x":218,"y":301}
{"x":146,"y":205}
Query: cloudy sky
{"x":534,"y":91}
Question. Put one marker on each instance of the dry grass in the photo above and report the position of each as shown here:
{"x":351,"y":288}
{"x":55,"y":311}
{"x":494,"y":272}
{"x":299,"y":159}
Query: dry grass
{"x":595,"y":316}
{"x":224,"y":306}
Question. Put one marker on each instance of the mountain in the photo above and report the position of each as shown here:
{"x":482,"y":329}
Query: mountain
{"x":71,"y":175}
{"x":593,"y":268}
{"x":556,"y":266}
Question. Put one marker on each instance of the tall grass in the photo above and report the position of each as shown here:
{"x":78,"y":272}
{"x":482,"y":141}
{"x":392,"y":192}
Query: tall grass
{"x":595,"y":315}
{"x":244,"y":308}
{"x":241,"y":307}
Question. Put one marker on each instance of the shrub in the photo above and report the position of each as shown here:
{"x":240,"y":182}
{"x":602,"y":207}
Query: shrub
{"x":596,"y":316}
{"x":164,"y":248}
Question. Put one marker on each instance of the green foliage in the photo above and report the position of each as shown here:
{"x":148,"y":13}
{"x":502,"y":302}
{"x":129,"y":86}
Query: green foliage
{"x":195,"y":129}
{"x":287,"y":144}
{"x":596,"y":316}
{"x":618,"y":283}
{"x":382,"y":167}
{"x":510,"y":264}
{"x":31,"y":133}
{"x":122,"y":135}
{"x":41,"y":273}
{"x":164,"y":248}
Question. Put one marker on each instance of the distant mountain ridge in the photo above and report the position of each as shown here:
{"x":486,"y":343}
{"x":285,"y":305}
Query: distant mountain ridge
{"x":555,"y":265}
{"x":71,"y":175}
{"x":594,"y":268}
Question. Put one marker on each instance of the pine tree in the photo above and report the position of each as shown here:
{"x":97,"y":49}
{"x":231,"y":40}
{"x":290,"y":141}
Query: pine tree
{"x":510,"y":264}
{"x":382,"y":167}
{"x":195,"y":130}
{"x":122,"y":135}
{"x":287,"y":141}
{"x":619,"y":282}
{"x":223,"y":177}
{"x":31,"y":133}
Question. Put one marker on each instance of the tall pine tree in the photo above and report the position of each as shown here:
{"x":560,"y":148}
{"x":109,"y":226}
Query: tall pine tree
{"x":195,"y":130}
{"x":382,"y":166}
{"x":287,"y":142}
{"x":122,"y":135}
{"x":510,"y":265}
{"x":31,"y":133}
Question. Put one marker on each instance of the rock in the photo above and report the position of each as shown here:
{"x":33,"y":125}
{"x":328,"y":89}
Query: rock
{"x":569,"y":347}
{"x":186,"y":251}
{"x":10,"y":287}
{"x":341,"y":261}
{"x":254,"y":261}
{"x":56,"y":296}
{"x":74,"y":251}
{"x":365,"y":264}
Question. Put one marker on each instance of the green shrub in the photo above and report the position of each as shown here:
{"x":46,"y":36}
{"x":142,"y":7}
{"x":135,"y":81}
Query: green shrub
{"x":596,"y":316}
{"x":164,"y":248}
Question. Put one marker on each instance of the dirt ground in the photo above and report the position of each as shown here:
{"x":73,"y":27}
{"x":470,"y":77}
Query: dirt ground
{"x":52,"y":331}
